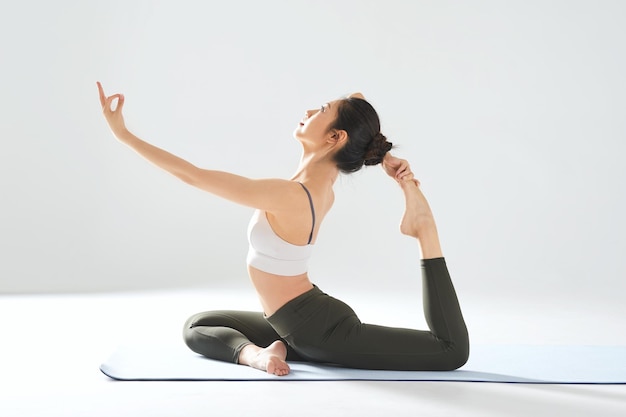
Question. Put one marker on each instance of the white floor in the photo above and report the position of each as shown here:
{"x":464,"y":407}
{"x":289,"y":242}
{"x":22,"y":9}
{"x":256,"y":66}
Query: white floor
{"x":52,"y":346}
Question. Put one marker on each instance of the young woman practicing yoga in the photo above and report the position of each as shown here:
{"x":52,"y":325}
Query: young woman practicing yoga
{"x":299,"y":322}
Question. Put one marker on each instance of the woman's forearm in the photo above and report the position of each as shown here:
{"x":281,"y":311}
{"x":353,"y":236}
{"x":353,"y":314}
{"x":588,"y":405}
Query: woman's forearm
{"x":159,"y":157}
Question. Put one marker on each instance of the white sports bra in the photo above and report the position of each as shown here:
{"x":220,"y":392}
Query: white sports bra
{"x":269,"y":253}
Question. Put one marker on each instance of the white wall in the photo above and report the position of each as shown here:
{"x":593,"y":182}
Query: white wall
{"x":512,"y":113}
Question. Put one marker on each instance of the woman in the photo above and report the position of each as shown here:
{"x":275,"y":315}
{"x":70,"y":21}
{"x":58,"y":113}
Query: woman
{"x":299,"y":322}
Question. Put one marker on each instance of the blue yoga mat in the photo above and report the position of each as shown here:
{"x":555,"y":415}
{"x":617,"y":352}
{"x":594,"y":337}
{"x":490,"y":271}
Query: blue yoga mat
{"x":487,"y":363}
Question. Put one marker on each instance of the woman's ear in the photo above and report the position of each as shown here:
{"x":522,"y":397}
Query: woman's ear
{"x":337,"y":137}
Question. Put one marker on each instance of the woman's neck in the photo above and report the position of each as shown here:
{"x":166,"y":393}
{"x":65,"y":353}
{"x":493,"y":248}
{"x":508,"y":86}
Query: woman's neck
{"x":314,"y":166}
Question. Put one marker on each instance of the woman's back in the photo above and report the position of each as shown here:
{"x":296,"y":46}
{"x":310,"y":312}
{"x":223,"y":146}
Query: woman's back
{"x":282,"y":242}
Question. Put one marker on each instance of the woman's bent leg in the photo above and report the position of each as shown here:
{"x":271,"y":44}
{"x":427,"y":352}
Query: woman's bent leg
{"x":332,"y":332}
{"x":443,"y":312}
{"x":223,"y":334}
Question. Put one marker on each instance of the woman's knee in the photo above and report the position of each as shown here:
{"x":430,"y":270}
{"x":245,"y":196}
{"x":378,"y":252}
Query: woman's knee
{"x":456,"y":357}
{"x":197,"y":326}
{"x":208,"y":318}
{"x":198,"y":329}
{"x":188,"y":332}
{"x":198,"y":319}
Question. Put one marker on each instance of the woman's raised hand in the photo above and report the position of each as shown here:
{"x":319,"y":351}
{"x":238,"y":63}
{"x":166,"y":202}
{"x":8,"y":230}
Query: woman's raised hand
{"x":398,"y":169}
{"x":112,"y":115}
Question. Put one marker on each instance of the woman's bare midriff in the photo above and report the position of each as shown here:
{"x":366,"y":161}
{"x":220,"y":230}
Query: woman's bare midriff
{"x":276,"y":290}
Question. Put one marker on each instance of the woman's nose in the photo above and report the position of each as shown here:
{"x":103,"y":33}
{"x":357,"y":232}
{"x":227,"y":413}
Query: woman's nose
{"x":310,"y":113}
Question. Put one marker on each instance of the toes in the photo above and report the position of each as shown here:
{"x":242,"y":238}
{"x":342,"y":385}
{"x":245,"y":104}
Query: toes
{"x":271,"y":369}
{"x":275,"y":366}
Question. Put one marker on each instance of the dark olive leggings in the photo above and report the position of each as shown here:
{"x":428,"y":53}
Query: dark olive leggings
{"x":319,"y":328}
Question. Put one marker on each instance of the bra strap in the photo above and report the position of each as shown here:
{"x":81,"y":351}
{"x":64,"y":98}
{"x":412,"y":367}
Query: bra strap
{"x":312,"y":212}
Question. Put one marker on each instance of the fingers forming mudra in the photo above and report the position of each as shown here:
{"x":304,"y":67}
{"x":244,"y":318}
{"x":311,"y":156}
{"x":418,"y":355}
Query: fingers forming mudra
{"x":112,"y":109}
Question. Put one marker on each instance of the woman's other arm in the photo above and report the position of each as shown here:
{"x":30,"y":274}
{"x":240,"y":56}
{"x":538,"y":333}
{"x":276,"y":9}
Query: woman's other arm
{"x":265,"y":194}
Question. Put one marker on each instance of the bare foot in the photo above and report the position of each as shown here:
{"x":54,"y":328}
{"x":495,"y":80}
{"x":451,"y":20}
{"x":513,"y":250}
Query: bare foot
{"x":418,"y":220}
{"x":417,"y":211}
{"x":270,"y":359}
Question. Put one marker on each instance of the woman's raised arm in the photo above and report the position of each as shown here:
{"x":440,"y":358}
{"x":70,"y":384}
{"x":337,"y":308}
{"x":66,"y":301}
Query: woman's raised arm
{"x":266,"y":194}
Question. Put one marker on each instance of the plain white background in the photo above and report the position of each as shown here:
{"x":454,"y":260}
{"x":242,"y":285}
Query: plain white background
{"x":511,"y":113}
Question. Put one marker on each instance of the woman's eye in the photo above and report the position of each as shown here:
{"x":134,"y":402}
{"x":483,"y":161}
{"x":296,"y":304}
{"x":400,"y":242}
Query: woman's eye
{"x":323,"y":108}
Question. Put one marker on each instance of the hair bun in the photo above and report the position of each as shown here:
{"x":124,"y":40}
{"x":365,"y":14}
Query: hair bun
{"x":377,"y":149}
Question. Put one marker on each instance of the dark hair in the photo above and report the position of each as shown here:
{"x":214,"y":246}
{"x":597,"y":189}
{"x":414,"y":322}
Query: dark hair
{"x":365,"y":145}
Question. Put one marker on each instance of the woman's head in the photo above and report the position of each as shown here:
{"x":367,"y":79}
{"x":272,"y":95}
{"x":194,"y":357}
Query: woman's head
{"x":365,"y":144}
{"x":348,"y":130}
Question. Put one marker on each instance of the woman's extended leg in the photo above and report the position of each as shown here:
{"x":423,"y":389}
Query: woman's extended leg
{"x":333,"y":332}
{"x":323,"y":329}
{"x":441,"y":306}
{"x":237,"y":336}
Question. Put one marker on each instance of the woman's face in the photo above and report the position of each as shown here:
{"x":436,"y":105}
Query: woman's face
{"x":315,"y":125}
{"x":314,"y":128}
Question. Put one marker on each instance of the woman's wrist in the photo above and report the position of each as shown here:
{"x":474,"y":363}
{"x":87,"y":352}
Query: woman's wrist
{"x":123,"y":135}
